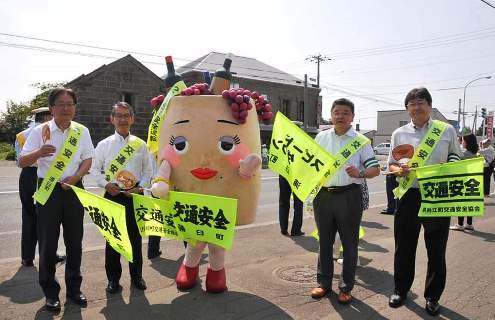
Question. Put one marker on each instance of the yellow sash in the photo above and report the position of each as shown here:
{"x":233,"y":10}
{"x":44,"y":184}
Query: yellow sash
{"x":125,"y":154}
{"x":156,"y":121}
{"x":421,"y":155}
{"x":61,"y":162}
{"x":344,"y":154}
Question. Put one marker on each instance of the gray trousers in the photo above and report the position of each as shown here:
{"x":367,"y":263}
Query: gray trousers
{"x":342,"y":212}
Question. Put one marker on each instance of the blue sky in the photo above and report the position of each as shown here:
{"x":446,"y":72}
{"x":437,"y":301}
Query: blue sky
{"x":438,"y":44}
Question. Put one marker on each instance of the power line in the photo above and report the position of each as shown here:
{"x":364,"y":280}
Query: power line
{"x":129,"y":52}
{"x":416,"y":45}
{"x":92,"y":55}
{"x":488,"y":3}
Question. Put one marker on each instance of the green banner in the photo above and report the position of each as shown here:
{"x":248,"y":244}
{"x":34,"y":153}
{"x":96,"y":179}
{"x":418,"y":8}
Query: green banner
{"x":188,"y":216}
{"x":297,"y":157}
{"x":156,"y":121}
{"x":61,"y":162}
{"x":109,"y":217}
{"x":453,"y":189}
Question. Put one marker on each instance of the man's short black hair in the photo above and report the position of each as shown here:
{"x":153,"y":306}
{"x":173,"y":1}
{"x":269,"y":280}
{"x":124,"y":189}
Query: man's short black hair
{"x":57,"y":92}
{"x":343,"y":102}
{"x":418,"y":93}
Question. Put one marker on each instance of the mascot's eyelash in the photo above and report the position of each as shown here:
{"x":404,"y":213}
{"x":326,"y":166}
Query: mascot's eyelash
{"x":237,"y":140}
{"x":171,"y":141}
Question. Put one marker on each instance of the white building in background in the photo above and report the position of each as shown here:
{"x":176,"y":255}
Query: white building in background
{"x":389,"y":120}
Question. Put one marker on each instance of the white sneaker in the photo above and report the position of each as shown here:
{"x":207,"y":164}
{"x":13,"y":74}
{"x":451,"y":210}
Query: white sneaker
{"x":469,"y":228}
{"x":457,"y":227}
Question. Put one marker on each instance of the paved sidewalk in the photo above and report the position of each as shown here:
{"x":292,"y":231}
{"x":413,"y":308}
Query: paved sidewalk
{"x":269,"y":277}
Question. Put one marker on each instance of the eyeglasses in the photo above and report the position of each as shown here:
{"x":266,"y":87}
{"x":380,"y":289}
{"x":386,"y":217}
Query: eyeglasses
{"x":67,"y":105}
{"x":419,"y":103}
{"x":122,"y":115}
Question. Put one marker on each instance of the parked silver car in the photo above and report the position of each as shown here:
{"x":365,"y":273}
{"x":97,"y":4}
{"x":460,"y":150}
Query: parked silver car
{"x":382,"y":148}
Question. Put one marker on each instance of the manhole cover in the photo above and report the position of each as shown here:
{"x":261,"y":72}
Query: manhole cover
{"x":299,"y":274}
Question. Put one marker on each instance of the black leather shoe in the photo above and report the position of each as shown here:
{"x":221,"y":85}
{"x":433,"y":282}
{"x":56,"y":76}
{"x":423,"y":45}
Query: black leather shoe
{"x":396,"y":300}
{"x":297,"y":234}
{"x":139,"y":283}
{"x":27,"y":263}
{"x":78,"y":298}
{"x":432,"y":308}
{"x":52,"y":305}
{"x":284,"y":232}
{"x":60,"y":258}
{"x":153,"y":255}
{"x":113,"y":287}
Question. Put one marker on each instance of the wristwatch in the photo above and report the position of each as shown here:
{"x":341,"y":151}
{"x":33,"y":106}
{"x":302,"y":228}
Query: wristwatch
{"x":362,"y":173}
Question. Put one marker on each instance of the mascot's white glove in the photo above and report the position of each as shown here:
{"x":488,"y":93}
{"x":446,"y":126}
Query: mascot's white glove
{"x":160,"y":188}
{"x":249,"y":165}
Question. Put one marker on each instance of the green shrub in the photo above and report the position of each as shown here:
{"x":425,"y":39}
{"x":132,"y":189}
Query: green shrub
{"x":7,"y":151}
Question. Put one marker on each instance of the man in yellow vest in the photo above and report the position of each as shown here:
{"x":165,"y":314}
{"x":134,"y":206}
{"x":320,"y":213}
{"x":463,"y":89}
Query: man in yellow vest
{"x":27,"y":187}
{"x":122,"y":165}
{"x":338,"y":205}
{"x":423,"y":134}
{"x":63,"y":150}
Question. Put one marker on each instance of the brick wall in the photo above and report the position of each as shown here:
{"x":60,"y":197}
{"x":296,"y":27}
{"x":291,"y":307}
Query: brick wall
{"x":98,"y":91}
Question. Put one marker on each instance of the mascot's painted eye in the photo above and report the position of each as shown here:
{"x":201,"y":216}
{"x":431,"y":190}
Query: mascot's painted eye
{"x":180,"y":144}
{"x":226,"y":144}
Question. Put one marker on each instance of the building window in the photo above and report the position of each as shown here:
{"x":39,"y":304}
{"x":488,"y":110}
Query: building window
{"x":300,"y":111}
{"x":126,"y":97}
{"x":403,"y":123}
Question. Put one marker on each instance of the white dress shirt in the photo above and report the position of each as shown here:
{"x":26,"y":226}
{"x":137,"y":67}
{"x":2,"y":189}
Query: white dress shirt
{"x":489,"y":154}
{"x":333,"y":143}
{"x":446,"y":149}
{"x":84,"y":151}
{"x":107,"y":150}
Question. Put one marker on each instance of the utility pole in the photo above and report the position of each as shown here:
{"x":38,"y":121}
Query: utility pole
{"x":459,"y":117}
{"x":318,"y":58}
{"x":305,"y":99}
{"x":474,"y":122}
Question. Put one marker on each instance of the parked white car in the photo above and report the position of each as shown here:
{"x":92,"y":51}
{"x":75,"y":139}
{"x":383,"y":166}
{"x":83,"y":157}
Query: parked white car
{"x":382,"y":148}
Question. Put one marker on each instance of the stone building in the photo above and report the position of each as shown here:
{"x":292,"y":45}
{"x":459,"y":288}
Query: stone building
{"x":125,"y":79}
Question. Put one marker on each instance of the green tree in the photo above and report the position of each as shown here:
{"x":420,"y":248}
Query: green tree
{"x":13,"y":120}
{"x":41,"y":99}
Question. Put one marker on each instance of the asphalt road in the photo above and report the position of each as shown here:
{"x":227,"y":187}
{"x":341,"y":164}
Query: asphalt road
{"x":10,"y":222}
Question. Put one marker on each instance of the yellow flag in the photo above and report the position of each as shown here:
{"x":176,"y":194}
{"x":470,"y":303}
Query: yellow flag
{"x":297,"y":157}
{"x":109,"y":217}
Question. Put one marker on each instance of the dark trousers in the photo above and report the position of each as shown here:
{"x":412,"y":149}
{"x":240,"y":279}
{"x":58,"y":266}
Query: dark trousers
{"x":407,"y":226}
{"x":63,"y":207}
{"x":487,"y":173}
{"x":153,"y":245}
{"x":390,"y":184}
{"x":284,"y":207}
{"x":338,"y":212}
{"x":460,"y":220}
{"x":112,"y":257}
{"x":27,"y":187}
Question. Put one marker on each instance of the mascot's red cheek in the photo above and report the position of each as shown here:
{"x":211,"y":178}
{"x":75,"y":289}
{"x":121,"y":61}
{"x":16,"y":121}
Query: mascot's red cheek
{"x":171,"y":156}
{"x":241,"y":151}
